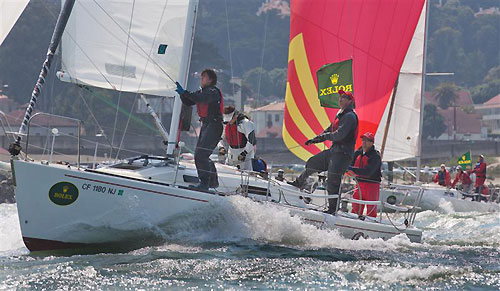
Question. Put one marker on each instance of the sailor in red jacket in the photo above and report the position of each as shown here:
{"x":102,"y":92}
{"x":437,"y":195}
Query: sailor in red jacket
{"x":366,"y":165}
{"x":463,"y":178}
{"x":239,"y":134}
{"x":480,"y":171}
{"x":443,"y":177}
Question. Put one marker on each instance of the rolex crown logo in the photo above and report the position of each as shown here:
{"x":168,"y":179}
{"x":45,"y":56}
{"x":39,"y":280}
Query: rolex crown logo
{"x":65,"y":189}
{"x":334,"y":78}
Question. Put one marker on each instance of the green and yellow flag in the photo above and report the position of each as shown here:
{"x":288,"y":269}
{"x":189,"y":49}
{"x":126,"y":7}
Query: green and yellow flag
{"x":465,"y":162}
{"x":332,"y":78}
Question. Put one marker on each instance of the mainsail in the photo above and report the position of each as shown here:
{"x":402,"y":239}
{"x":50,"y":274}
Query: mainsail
{"x":10,"y":10}
{"x":403,"y":132}
{"x":126,"y":45}
{"x":374,"y":34}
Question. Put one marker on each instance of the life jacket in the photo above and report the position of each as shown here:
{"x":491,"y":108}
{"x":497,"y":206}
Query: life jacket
{"x":335,"y":124}
{"x":211,"y":111}
{"x":464,"y":177}
{"x":361,"y":161}
{"x":234,"y":138}
{"x":480,"y":173}
{"x":442,"y":178}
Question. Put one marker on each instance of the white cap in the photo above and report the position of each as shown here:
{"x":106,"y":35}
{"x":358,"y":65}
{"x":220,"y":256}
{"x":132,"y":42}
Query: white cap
{"x":228,"y":117}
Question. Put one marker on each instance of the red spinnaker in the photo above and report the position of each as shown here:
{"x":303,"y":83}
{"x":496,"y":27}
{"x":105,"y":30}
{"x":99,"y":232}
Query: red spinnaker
{"x":375,"y":34}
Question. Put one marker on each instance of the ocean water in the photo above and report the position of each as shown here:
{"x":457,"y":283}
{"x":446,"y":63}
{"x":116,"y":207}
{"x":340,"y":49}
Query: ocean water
{"x":244,"y":245}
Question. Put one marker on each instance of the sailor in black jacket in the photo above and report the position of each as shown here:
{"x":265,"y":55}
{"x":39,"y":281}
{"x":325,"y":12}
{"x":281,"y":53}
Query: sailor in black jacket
{"x":209,"y":104}
{"x":342,"y":132}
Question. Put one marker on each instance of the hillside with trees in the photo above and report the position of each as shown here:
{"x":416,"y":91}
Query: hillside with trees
{"x":249,"y":39}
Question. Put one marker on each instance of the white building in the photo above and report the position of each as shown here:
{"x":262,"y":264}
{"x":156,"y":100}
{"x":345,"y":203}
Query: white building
{"x":268,"y":119}
{"x":490,"y":111}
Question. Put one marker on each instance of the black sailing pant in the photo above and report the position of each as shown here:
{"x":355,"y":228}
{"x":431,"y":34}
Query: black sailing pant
{"x":336,"y":163}
{"x":210,"y":135}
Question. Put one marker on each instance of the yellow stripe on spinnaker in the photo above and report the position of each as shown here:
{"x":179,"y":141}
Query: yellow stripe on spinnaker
{"x":297,"y":53}
{"x":296,"y":115}
{"x":294,"y":147}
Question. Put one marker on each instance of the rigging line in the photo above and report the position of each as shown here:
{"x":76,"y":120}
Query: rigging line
{"x":142,"y":76}
{"x":126,"y":127}
{"x":229,"y":46}
{"x":84,"y":53}
{"x":121,"y":80}
{"x":93,"y":116}
{"x":111,"y":104}
{"x":152,"y":47}
{"x":133,"y":40}
{"x":104,"y":27}
{"x":262,"y":56}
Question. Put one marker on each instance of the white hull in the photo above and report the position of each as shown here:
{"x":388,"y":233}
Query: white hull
{"x":437,"y":198}
{"x":115,"y":204}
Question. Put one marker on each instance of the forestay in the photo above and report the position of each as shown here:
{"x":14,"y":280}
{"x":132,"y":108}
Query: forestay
{"x":10,"y":10}
{"x":126,"y":45}
{"x":403,"y":133}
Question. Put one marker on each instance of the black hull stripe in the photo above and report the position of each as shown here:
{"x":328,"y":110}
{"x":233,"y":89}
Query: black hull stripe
{"x":36,"y":244}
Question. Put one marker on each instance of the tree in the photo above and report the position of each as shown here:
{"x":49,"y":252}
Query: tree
{"x":258,"y":80}
{"x":489,"y":88}
{"x":447,"y":94}
{"x":433,"y":122}
{"x":277,"y":77}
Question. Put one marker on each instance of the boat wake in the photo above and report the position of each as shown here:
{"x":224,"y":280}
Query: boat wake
{"x":238,"y":219}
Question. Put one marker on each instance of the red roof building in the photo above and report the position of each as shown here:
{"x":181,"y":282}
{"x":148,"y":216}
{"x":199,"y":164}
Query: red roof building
{"x":490,"y":111}
{"x":268,"y":119}
{"x":462,"y":123}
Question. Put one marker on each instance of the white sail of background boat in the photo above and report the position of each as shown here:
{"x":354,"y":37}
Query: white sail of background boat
{"x":10,"y":10}
{"x":403,"y":133}
{"x":67,"y":206}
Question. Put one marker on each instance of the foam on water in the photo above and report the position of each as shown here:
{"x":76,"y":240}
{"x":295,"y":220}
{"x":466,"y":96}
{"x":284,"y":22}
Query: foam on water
{"x":460,"y":228}
{"x":240,"y":244}
{"x":11,"y":241}
{"x":239,"y":218}
{"x":445,"y":206}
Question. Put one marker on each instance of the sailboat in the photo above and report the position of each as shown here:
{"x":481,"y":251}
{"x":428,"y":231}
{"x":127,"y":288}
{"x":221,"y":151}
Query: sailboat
{"x":401,"y":130}
{"x":143,"y":48}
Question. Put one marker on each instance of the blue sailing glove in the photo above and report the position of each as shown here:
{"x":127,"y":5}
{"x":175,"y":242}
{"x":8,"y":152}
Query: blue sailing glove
{"x":179,"y":89}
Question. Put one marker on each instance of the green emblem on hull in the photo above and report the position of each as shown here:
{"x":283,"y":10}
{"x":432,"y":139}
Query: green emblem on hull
{"x":63,"y":193}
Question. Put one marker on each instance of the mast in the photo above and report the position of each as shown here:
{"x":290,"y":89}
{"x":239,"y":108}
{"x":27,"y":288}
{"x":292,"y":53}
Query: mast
{"x":62,"y":20}
{"x":422,"y":99}
{"x":173,"y":137}
{"x":389,"y":116}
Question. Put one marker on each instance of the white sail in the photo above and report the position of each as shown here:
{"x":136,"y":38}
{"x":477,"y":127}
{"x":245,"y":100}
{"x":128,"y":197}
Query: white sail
{"x":403,"y":133}
{"x":10,"y":10}
{"x":98,"y":50}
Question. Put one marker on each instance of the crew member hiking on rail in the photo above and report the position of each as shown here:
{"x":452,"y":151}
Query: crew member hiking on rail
{"x":443,"y":177}
{"x":209,"y":104}
{"x":342,"y":132}
{"x":239,"y":134}
{"x":366,"y":165}
{"x":464,"y":178}
{"x":480,"y":171}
